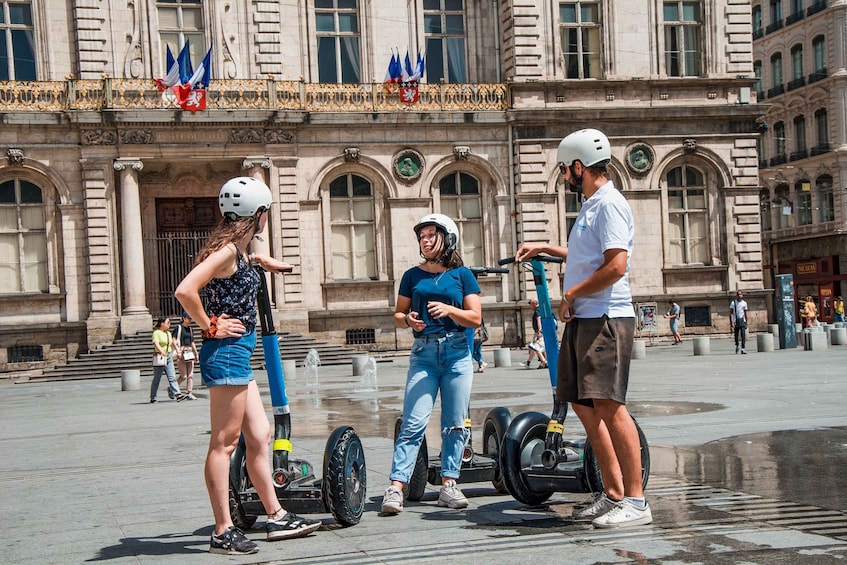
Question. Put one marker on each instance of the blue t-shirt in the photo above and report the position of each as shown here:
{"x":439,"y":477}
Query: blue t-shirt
{"x":449,"y":287}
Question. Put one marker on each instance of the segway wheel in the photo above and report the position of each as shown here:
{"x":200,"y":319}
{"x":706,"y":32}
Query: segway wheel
{"x":496,"y":423}
{"x":522,"y":447}
{"x":345,"y":477}
{"x":416,"y":487}
{"x":592,"y":467}
{"x":239,"y":482}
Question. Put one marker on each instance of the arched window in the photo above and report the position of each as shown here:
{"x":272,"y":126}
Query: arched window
{"x":351,"y":204}
{"x":821,"y":132}
{"x":776,"y":71}
{"x":23,"y":238}
{"x":826,"y":198}
{"x":757,"y":72}
{"x":688,"y":216}
{"x":765,"y":210}
{"x":17,"y":42}
{"x":797,"y":76}
{"x":800,"y":149}
{"x":779,"y":144}
{"x":757,"y":21}
{"x":803,"y":202}
{"x":337,"y":29}
{"x":181,"y":21}
{"x":460,"y":199}
{"x":819,"y":50}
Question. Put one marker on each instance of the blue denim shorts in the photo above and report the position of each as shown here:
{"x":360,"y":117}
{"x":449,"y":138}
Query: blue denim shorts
{"x":227,"y":361}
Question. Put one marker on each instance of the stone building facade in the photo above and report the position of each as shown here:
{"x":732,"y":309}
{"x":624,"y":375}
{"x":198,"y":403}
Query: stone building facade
{"x":800,"y":60}
{"x":108,"y":187}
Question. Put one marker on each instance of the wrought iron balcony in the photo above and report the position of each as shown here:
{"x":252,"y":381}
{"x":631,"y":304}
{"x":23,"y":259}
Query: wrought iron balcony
{"x":796,"y":83}
{"x":777,"y":25}
{"x":819,"y":74}
{"x":776,"y":90}
{"x":797,"y":155}
{"x":779,"y":160}
{"x":135,"y":94}
{"x":795,"y":17}
{"x":818,"y":6}
{"x":821,"y":148}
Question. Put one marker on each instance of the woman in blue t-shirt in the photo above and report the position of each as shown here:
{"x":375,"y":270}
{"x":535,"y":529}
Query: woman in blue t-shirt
{"x":438,"y":300}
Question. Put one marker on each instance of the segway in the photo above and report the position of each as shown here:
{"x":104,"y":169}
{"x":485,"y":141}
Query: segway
{"x":536,"y":460}
{"x":341,"y":490}
{"x":476,"y":467}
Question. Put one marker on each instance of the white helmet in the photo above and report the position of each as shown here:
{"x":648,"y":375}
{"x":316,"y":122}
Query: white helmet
{"x":588,"y":146}
{"x":242,"y":197}
{"x":443,"y":223}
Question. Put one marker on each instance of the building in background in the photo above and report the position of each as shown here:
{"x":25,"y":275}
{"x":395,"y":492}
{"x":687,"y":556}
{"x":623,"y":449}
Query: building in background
{"x":799,"y":60}
{"x":108,"y":187}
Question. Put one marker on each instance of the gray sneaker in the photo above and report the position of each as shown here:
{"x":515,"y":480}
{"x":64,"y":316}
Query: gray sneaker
{"x":624,"y":514}
{"x":600,"y":506}
{"x":451,"y":497}
{"x":392,"y":500}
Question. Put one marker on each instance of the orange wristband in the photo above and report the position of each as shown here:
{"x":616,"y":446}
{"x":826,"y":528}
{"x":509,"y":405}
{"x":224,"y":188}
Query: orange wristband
{"x":213,"y":328}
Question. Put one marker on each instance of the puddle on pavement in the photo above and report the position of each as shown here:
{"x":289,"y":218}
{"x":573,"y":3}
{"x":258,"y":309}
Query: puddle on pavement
{"x":804,"y":466}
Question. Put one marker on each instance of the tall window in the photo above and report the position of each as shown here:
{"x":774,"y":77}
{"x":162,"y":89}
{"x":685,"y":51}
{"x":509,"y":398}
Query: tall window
{"x":444,"y":31}
{"x":797,"y":7}
{"x":819,"y":50}
{"x":797,"y":62}
{"x":23,"y":238}
{"x":803,"y":202}
{"x":821,"y":129}
{"x":779,"y":140}
{"x":351,"y":206}
{"x":580,"y":25}
{"x":687,"y":216}
{"x":757,"y":72}
{"x":181,"y":21}
{"x":17,"y":41}
{"x":776,"y":70}
{"x":460,"y":199}
{"x":573,"y":204}
{"x":683,"y":29}
{"x":783,"y":206}
{"x":776,"y":11}
{"x":757,"y":19}
{"x":826,"y":198}
{"x":337,"y":28}
{"x":800,"y":137}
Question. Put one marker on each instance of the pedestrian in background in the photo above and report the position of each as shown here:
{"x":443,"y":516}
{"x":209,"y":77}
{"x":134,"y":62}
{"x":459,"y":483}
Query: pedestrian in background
{"x":673,"y":318}
{"x":480,"y":336}
{"x":838,"y":311}
{"x":535,"y":347}
{"x":809,"y":313}
{"x":438,"y":299}
{"x":163,"y":361}
{"x":738,"y":322}
{"x":186,"y":354}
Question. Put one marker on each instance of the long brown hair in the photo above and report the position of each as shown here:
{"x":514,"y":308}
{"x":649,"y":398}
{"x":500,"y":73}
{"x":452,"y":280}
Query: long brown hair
{"x":226,"y":232}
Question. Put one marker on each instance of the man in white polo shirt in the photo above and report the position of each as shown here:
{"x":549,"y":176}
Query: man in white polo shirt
{"x":593,"y":369}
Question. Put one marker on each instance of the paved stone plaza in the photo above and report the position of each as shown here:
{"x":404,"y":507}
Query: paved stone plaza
{"x":95,"y":474}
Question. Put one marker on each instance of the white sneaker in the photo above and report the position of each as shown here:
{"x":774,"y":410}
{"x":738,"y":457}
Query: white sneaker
{"x":451,"y":497}
{"x":482,"y":367}
{"x":392,"y":500}
{"x":600,"y":506}
{"x":624,"y":514}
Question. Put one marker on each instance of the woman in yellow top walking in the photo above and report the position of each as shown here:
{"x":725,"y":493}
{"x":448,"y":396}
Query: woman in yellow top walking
{"x":810,"y":313}
{"x":164,"y":346}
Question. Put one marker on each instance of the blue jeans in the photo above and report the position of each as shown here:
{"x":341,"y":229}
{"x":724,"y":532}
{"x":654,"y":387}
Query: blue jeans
{"x":436,"y":363}
{"x":168,"y":369}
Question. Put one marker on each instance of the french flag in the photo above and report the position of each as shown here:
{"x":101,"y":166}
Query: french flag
{"x":171,"y":77}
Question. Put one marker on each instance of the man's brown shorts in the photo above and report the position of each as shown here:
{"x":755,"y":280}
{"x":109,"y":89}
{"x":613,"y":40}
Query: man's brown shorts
{"x":594,"y":359}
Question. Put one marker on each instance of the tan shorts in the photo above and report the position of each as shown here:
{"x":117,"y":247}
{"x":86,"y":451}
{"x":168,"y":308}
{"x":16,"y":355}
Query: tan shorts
{"x":594,"y":359}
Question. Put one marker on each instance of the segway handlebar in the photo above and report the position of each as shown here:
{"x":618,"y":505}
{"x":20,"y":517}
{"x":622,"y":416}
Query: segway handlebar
{"x":482,"y":271}
{"x":543,"y":258}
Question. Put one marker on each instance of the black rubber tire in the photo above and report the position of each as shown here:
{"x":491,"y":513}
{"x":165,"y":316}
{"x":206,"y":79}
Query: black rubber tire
{"x":494,"y":430}
{"x":522,"y":444}
{"x":416,"y":486}
{"x":345,"y":476}
{"x":239,"y":481}
{"x":592,"y":468}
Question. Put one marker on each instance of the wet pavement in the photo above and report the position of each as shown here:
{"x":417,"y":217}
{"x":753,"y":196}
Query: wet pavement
{"x":747,"y":456}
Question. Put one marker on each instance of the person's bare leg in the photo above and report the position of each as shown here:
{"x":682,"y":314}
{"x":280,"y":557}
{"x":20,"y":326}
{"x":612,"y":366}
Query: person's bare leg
{"x":226,"y":410}
{"x":598,"y":436}
{"x":624,"y":437}
{"x":257,"y":437}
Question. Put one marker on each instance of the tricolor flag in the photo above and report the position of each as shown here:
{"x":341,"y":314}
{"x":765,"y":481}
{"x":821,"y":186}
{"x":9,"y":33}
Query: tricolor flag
{"x":171,"y":77}
{"x":394,"y":71}
{"x":192,"y":94}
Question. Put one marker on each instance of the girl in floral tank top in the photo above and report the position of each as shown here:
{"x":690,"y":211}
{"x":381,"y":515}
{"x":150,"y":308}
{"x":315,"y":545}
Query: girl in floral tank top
{"x":223,"y":266}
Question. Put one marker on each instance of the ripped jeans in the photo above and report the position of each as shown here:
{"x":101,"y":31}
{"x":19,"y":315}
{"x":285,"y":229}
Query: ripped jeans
{"x":436,"y":363}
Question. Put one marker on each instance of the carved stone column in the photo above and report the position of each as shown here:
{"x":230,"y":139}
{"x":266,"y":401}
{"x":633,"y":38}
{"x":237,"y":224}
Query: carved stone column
{"x":135,"y":316}
{"x":255,"y":168}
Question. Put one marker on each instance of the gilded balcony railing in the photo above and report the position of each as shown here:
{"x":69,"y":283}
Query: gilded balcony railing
{"x":141,"y":94}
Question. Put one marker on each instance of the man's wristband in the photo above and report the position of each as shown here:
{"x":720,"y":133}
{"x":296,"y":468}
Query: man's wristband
{"x":565,"y":299}
{"x":213,"y":328}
